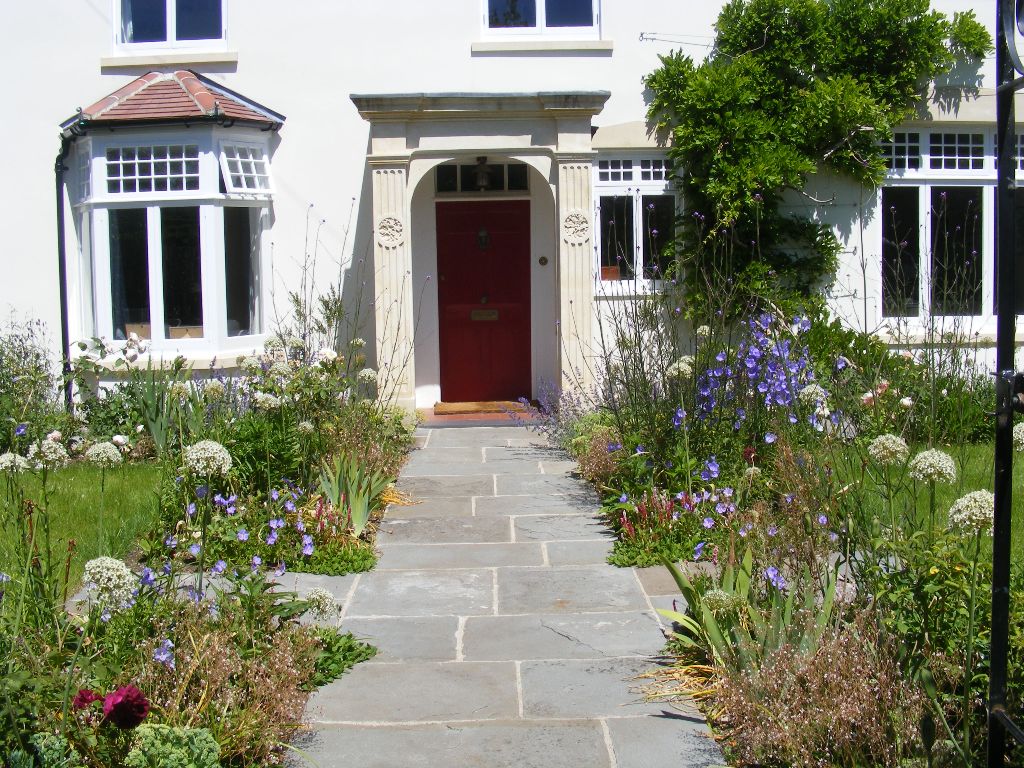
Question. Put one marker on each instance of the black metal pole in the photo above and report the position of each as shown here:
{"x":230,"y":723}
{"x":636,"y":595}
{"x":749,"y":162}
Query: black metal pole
{"x":1005,"y":256}
{"x":62,"y":273}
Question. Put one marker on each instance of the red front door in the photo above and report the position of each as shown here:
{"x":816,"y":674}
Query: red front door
{"x":483,"y":291}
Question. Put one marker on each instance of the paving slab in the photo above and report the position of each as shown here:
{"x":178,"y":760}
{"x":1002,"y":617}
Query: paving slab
{"x":548,"y":484}
{"x":668,"y":740}
{"x":431,"y":556}
{"x":564,"y":467}
{"x":573,"y":589}
{"x":402,"y":638}
{"x":585,"y":688}
{"x":447,"y":485}
{"x":476,"y":437}
{"x":423,"y":593}
{"x":533,"y":504}
{"x":418,"y":692}
{"x":435,"y":506}
{"x":496,"y":744}
{"x":457,"y":530}
{"x":499,"y":454}
{"x":449,"y":468}
{"x":462,"y":454}
{"x":303,"y":583}
{"x":559,"y":528}
{"x":572,"y":636}
{"x":578,"y":552}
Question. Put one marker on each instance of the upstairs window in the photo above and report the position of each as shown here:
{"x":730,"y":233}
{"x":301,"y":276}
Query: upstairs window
{"x":170,"y":22}
{"x":553,"y":16}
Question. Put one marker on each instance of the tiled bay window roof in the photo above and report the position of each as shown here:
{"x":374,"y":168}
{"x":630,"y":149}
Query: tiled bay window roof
{"x":173,"y":96}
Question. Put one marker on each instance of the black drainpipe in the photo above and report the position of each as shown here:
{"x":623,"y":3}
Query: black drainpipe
{"x":62,"y":271}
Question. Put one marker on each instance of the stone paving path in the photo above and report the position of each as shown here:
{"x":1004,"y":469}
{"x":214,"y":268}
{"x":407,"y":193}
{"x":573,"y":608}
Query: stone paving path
{"x":505,"y":639}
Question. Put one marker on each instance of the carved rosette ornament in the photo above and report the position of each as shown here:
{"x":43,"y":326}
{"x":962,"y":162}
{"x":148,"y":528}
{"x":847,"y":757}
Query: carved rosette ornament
{"x":390,"y":231}
{"x":576,"y":227}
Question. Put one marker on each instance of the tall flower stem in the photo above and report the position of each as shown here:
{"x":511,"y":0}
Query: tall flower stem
{"x":969,"y":664}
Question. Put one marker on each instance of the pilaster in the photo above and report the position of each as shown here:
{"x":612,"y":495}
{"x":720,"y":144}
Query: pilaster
{"x":392,"y":296}
{"x":575,"y":269}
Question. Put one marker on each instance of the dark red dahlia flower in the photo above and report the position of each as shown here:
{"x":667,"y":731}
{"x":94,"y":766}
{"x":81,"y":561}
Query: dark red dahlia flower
{"x":126,"y":707}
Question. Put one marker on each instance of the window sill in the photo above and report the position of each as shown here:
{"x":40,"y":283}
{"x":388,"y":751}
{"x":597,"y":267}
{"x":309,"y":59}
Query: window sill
{"x":171,"y":58}
{"x":541,"y":46}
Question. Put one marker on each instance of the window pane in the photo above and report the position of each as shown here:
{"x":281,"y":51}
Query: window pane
{"x":956,"y":250}
{"x":447,"y":178}
{"x":182,"y":272}
{"x":511,"y":13}
{"x":241,"y":267}
{"x":198,"y":19}
{"x":616,"y":238}
{"x":518,"y":177}
{"x":569,"y":13}
{"x":143,"y":21}
{"x":129,"y":273}
{"x":659,"y":212}
{"x":901,"y":252}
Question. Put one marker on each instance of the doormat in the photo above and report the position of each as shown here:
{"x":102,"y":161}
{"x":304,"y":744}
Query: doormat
{"x":488,"y":406}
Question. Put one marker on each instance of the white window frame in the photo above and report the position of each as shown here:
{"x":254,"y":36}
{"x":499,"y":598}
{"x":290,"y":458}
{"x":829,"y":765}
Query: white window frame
{"x":635,"y":189}
{"x":226,"y":174}
{"x":540,"y":29}
{"x":211,"y":203}
{"x":925,"y":178}
{"x":171,"y":43}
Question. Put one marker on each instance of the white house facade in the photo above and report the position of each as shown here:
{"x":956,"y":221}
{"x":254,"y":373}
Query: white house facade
{"x":450,"y":167}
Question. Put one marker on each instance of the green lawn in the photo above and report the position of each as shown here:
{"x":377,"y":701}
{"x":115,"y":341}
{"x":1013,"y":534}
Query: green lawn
{"x":975,"y":471}
{"x":129,"y":510}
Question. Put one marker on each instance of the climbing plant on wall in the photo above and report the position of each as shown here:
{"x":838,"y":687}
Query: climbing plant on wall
{"x":792,"y":88}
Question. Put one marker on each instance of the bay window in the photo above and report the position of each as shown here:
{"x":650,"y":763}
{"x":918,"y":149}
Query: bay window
{"x":176,"y":230}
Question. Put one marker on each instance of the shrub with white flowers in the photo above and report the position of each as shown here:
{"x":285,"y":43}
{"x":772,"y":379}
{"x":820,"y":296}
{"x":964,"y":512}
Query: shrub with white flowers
{"x":933,"y":466}
{"x":13,"y":463}
{"x":321,"y":604}
{"x":104,"y":455}
{"x":1018,"y":437}
{"x":888,"y":450}
{"x":47,"y":454}
{"x":214,"y":389}
{"x":326,"y":355}
{"x":973,"y":513}
{"x":207,"y":457}
{"x":110,"y":583}
{"x":251,"y":365}
{"x":681,"y":368}
{"x":265,"y":401}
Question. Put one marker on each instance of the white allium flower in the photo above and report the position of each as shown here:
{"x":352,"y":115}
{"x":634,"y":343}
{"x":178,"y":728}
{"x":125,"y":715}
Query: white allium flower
{"x":358,"y":343}
{"x":265,"y":401}
{"x":321,"y":604}
{"x":273,"y":343}
{"x":13,"y":463}
{"x":280,"y":368}
{"x":294,"y":342}
{"x":681,"y":368}
{"x":813,"y":395}
{"x":703,"y":332}
{"x":751,"y":474}
{"x":889,"y":450}
{"x":47,"y":454}
{"x":251,"y":365}
{"x":305,"y":428}
{"x":55,"y":436}
{"x":105,"y":455}
{"x":326,"y":355}
{"x":367,"y":376}
{"x":214,"y":389}
{"x":178,"y":390}
{"x":719,"y":601}
{"x":973,"y":513}
{"x":1018,"y":437}
{"x":907,"y":402}
{"x":207,"y":457}
{"x":120,"y":440}
{"x":933,"y":466}
{"x":110,"y":582}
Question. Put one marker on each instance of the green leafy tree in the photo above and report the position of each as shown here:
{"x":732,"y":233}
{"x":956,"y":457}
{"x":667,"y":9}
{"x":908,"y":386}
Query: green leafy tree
{"x":791,"y":88}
